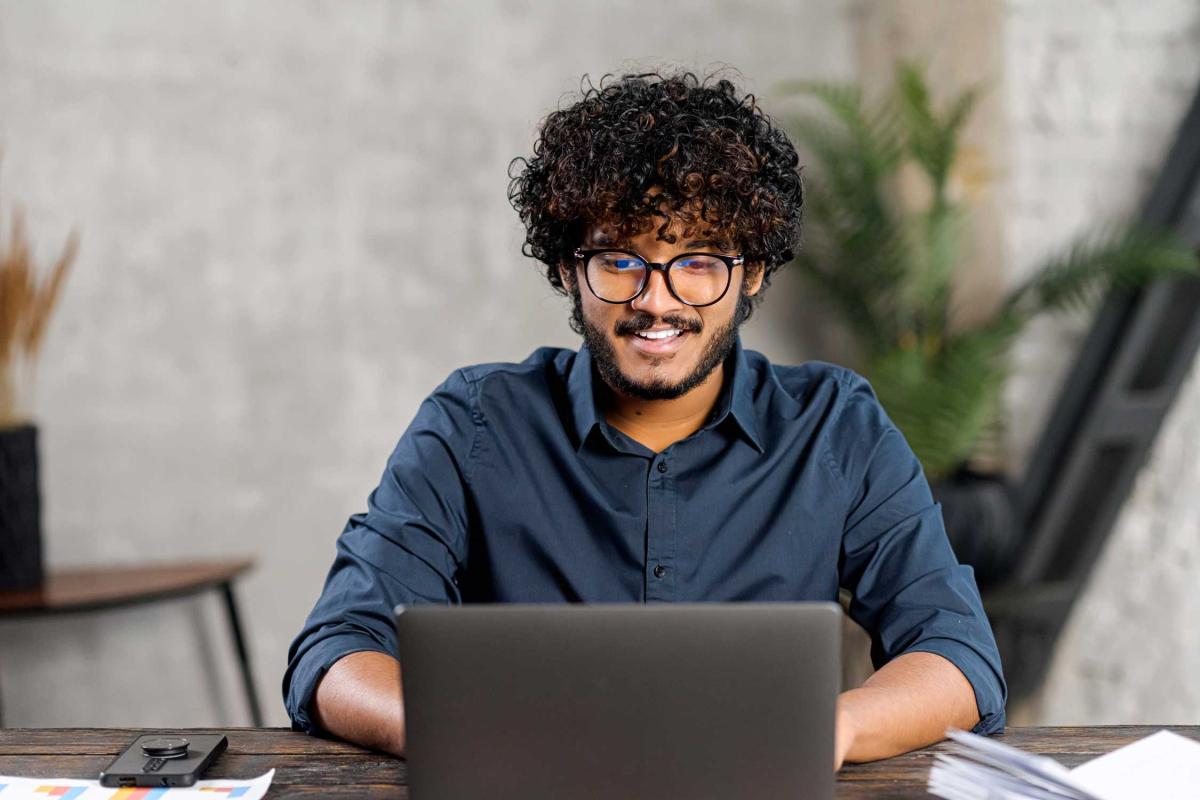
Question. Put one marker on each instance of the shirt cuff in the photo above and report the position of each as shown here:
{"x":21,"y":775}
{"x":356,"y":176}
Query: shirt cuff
{"x":990,"y":691}
{"x":306,"y":671}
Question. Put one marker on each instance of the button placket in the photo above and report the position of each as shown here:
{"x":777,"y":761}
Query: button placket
{"x":660,"y":534}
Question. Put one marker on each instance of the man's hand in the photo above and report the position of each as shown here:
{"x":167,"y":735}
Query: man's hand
{"x":843,"y":736}
{"x":908,"y":703}
{"x":360,"y":699}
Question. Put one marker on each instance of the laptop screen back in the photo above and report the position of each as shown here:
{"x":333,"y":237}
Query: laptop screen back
{"x":629,"y":701}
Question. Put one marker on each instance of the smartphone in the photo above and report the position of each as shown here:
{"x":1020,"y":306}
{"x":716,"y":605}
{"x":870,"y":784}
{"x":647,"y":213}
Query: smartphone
{"x":164,"y":760}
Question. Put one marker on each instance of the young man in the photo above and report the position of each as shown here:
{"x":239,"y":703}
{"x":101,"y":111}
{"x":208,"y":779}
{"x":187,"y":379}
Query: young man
{"x":661,"y":462}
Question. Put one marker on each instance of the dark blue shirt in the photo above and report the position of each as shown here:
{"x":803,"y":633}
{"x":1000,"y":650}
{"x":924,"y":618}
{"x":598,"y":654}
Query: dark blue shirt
{"x":510,"y":486}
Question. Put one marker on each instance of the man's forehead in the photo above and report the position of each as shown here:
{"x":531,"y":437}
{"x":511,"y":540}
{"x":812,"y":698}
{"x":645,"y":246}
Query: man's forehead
{"x":611,"y":234}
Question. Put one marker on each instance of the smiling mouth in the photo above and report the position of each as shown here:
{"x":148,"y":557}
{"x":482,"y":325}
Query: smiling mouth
{"x":659,"y":336}
{"x":664,"y":342}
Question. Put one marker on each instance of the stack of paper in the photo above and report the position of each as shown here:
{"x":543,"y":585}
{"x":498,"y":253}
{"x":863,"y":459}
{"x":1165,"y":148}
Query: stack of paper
{"x":1164,"y":766}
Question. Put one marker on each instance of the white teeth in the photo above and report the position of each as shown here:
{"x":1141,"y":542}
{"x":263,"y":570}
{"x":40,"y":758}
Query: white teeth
{"x":658,"y":334}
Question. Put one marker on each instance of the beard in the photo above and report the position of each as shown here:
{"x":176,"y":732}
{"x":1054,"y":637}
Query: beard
{"x":605,"y":357}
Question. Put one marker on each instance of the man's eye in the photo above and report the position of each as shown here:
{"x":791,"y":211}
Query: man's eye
{"x":699,"y":264}
{"x":620,"y":263}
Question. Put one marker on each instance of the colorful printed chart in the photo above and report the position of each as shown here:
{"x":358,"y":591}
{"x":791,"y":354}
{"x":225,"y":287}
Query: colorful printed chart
{"x":64,"y":792}
{"x":12,"y":788}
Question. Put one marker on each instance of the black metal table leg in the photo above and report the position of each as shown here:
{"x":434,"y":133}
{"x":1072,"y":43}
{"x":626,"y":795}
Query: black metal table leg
{"x":239,"y":644}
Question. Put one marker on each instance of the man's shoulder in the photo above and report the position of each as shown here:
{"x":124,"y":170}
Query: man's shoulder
{"x":542,"y":374}
{"x":804,"y":382}
{"x":544,"y":360}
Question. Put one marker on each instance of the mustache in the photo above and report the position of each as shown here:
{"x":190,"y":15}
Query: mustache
{"x":644,"y":322}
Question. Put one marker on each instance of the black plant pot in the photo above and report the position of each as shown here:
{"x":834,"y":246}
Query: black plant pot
{"x":20,"y":509}
{"x":981,"y":521}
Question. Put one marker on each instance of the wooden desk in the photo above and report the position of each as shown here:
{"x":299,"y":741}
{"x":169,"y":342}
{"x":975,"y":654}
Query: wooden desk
{"x":71,"y":591}
{"x":306,"y":767}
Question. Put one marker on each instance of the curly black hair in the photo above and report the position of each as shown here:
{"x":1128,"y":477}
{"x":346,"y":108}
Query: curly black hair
{"x":716,"y":161}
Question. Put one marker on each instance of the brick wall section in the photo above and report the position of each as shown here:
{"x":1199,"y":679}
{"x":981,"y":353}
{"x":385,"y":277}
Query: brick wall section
{"x":1095,"y":92}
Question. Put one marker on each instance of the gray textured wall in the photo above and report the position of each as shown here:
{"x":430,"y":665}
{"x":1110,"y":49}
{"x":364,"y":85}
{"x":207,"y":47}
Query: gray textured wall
{"x":295,"y":225}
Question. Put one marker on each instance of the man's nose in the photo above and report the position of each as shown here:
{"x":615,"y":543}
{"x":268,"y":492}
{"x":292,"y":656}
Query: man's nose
{"x":656,"y":299}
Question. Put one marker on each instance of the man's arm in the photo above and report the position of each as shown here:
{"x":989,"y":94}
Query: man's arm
{"x":360,"y":699}
{"x":937,"y":662}
{"x":407,"y":549}
{"x":908,"y":703}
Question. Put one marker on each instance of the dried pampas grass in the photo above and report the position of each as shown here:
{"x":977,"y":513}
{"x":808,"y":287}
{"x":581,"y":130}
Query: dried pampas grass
{"x":25,"y":308}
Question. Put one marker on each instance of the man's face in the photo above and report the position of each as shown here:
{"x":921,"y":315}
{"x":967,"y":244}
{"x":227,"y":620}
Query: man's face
{"x":635,"y":364}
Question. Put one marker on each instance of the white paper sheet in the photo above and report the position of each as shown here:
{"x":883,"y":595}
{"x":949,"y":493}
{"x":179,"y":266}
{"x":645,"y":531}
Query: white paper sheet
{"x":1164,"y":766}
{"x":12,"y":788}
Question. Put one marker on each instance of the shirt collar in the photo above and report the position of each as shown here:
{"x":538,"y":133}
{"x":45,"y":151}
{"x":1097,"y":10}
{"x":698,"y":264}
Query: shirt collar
{"x":583,"y":398}
{"x":736,"y":399}
{"x":737,"y":396}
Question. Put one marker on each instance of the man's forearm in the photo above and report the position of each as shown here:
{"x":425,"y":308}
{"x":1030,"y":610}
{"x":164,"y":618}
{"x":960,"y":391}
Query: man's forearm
{"x":908,"y":703}
{"x":360,"y":700}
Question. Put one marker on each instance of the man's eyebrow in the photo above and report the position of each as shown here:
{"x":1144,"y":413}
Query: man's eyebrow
{"x":709,"y":243}
{"x":606,"y":239}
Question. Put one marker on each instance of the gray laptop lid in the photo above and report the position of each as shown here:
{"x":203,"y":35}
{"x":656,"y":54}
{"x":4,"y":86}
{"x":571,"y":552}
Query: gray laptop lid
{"x":621,"y":701}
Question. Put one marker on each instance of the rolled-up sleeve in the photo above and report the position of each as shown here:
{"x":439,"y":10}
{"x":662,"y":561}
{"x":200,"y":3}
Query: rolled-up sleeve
{"x":408,"y":548}
{"x":908,"y":590}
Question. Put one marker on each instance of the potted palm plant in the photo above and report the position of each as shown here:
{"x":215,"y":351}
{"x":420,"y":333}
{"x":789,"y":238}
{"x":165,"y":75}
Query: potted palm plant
{"x":887,"y":265}
{"x":25,"y":307}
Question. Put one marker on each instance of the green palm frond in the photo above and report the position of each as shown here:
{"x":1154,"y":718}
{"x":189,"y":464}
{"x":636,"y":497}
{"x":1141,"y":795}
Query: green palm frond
{"x":944,"y":395}
{"x":857,"y":151}
{"x":1091,"y":265}
{"x":935,"y":235}
{"x":873,"y":133}
{"x":932,"y":138}
{"x":879,"y":249}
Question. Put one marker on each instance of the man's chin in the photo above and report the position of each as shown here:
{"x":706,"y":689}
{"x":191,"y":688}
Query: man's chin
{"x":648,"y":390}
{"x":653,"y":383}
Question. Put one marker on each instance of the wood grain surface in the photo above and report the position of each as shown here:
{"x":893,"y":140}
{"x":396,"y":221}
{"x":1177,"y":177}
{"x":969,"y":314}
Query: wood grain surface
{"x":93,"y":588}
{"x":310,"y":767}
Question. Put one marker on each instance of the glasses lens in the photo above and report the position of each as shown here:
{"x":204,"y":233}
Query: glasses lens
{"x":699,"y":279}
{"x":615,"y":276}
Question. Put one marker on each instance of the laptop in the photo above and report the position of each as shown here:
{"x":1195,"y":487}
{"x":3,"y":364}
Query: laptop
{"x":674,"y":702}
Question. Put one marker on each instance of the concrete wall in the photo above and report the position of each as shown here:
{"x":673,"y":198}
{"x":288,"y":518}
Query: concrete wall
{"x":295,"y":225}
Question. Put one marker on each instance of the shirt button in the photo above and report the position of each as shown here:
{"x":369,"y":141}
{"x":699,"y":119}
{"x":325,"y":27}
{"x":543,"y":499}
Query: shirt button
{"x":659,"y":571}
{"x":662,"y":466}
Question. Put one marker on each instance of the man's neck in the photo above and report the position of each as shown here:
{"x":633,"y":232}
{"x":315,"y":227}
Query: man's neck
{"x":658,"y":424}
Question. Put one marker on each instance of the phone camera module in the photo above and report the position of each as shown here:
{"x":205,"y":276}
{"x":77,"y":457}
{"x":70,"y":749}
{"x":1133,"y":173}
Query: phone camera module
{"x":165,"y":747}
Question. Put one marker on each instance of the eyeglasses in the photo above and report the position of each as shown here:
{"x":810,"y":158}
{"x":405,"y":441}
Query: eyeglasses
{"x":695,"y":279}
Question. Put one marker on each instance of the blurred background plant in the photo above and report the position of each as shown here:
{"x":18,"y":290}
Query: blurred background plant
{"x":885,"y":254}
{"x":26,"y":303}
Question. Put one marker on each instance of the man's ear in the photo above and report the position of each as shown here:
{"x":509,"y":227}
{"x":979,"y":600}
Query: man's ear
{"x":566,"y":274}
{"x":754,"y":278}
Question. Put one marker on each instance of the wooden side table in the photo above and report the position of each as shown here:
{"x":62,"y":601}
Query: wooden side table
{"x":90,"y":589}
